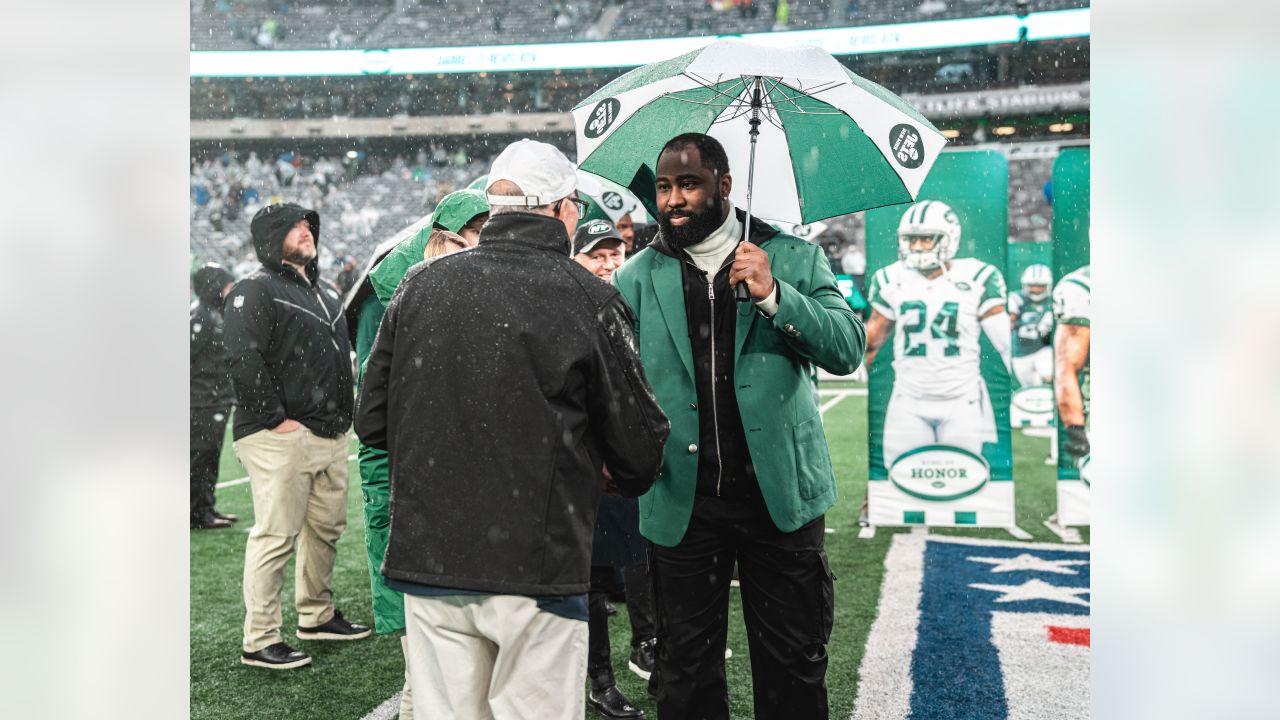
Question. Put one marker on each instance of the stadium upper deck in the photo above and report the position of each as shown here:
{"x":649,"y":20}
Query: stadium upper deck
{"x":375,"y":24}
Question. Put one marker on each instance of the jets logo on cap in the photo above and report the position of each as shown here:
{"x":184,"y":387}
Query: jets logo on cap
{"x":611,"y":200}
{"x":599,"y":227}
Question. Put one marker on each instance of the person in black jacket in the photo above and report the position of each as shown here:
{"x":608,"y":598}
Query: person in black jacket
{"x":502,"y":381}
{"x":291,"y":366}
{"x":211,"y":394}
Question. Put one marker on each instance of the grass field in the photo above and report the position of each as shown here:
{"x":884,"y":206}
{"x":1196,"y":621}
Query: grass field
{"x":348,"y":680}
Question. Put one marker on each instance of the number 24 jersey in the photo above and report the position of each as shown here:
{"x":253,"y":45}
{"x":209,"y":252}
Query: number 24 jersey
{"x":936,"y":338}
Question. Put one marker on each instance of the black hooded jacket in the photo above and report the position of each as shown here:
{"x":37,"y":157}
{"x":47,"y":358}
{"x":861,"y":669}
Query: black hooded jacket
{"x":502,"y":377}
{"x":286,"y":341}
{"x":210,"y":383}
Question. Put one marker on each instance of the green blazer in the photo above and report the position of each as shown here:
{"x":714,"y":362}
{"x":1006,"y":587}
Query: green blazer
{"x":772,"y":358}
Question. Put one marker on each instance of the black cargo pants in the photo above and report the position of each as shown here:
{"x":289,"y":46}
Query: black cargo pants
{"x":788,"y":607}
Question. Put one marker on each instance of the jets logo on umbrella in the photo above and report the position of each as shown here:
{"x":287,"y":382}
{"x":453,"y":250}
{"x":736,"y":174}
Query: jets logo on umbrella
{"x":611,"y":200}
{"x":602,"y":117}
{"x":907,"y":148}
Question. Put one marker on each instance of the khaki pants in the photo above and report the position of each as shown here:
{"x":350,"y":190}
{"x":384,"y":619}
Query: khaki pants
{"x":299,"y":482}
{"x":498,"y":657}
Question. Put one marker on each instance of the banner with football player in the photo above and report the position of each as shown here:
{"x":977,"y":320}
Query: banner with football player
{"x":938,"y":344}
{"x":1031,"y":314}
{"x":1071,"y":311}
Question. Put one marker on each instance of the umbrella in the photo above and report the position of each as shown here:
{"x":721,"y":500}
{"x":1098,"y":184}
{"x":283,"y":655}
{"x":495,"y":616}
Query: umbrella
{"x":829,"y":142}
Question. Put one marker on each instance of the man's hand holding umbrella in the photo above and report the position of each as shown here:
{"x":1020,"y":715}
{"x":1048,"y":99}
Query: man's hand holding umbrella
{"x":751,"y":266}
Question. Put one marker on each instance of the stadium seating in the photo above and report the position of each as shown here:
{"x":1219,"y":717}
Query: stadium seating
{"x":433,"y":23}
{"x":357,"y":215}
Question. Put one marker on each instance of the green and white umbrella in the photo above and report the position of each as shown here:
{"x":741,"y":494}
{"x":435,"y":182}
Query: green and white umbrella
{"x":829,"y":142}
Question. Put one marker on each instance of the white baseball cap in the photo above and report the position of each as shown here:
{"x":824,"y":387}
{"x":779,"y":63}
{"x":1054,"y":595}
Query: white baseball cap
{"x":542,"y":172}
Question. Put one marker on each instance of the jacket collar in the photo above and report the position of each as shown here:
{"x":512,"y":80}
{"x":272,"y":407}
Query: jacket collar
{"x":761,"y":232}
{"x":542,"y":232}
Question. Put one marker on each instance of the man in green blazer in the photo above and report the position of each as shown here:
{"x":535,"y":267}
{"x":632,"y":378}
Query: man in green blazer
{"x":746,"y":475}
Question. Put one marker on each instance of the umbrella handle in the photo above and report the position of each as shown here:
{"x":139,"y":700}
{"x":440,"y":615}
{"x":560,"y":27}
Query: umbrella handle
{"x":740,"y":292}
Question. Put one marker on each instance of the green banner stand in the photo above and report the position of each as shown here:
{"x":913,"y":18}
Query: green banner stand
{"x":938,"y":396}
{"x":1071,"y":304}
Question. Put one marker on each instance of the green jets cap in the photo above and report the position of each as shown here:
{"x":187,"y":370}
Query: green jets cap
{"x":457,"y":209}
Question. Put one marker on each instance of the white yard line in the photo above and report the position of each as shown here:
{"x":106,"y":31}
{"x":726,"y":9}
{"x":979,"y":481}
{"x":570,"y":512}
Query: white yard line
{"x":388,"y":709}
{"x":245,"y":479}
{"x":884,"y":685}
{"x":832,"y":403}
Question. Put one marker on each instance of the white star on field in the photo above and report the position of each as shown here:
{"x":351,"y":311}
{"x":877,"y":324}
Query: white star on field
{"x":1033,"y":563}
{"x":1036,"y":590}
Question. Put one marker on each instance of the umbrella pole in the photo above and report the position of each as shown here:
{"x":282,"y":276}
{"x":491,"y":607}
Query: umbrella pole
{"x":740,"y":292}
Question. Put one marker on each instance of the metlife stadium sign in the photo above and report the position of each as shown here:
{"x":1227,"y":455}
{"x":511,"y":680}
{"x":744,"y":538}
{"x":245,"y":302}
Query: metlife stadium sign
{"x":628,"y":53}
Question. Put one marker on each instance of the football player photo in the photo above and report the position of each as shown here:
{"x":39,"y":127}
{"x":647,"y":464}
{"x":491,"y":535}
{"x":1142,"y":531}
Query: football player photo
{"x":1071,"y":373}
{"x":1031,"y":315}
{"x":935,"y":306}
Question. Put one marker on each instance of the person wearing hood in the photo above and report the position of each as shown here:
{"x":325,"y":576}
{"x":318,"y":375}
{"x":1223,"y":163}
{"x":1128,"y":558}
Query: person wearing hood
{"x":460,"y":214}
{"x":289,"y":355}
{"x":747,"y":475}
{"x":211,"y":394}
{"x":502,"y":381}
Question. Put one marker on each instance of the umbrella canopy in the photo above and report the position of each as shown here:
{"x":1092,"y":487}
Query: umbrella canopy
{"x":830,"y":142}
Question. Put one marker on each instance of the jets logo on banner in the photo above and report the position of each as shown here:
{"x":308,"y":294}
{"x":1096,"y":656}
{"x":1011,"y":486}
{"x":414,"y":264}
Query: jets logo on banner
{"x":979,"y":629}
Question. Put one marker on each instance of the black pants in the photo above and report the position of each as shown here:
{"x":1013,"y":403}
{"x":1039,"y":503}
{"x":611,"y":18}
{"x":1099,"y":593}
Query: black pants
{"x":788,"y":606}
{"x":639,"y":587}
{"x":639,"y":610}
{"x":208,"y":426}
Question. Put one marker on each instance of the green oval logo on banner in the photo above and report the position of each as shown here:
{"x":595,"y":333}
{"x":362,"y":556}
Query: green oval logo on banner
{"x":602,"y":118}
{"x":907,"y":146}
{"x":939,"y":473}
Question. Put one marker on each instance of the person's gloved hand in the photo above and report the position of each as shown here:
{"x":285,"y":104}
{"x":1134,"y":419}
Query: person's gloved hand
{"x":1077,"y":442}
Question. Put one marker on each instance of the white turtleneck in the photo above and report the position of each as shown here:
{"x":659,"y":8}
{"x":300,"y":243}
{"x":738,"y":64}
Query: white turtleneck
{"x":710,"y":254}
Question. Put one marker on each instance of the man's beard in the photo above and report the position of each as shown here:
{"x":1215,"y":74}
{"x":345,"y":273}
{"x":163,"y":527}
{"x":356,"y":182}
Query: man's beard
{"x":697,"y":228}
{"x":298,"y":256}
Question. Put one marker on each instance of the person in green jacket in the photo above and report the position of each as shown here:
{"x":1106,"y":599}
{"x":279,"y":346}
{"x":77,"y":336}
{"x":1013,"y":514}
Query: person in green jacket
{"x":746,"y":475}
{"x":462,"y":212}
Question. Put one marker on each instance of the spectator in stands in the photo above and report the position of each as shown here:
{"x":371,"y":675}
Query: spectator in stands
{"x":748,"y":477}
{"x":211,"y":394}
{"x":290,"y":362}
{"x":490,"y":428}
{"x":347,"y":272}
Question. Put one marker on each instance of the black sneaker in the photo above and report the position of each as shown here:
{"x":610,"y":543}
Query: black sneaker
{"x":226,"y":516}
{"x":276,"y":657}
{"x":336,"y":629}
{"x":611,"y":703}
{"x":641,"y":662}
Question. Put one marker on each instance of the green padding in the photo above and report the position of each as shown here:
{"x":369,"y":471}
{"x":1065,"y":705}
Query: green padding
{"x":912,"y":517}
{"x":966,"y":518}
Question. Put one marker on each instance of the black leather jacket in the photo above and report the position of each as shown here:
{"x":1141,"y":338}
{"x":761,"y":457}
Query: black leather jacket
{"x":501,"y":379}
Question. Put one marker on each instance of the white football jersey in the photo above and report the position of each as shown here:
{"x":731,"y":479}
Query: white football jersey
{"x":937,"y":334}
{"x":1071,"y":298}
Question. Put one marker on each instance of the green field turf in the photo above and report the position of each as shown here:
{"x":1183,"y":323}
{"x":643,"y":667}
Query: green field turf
{"x":348,"y":680}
